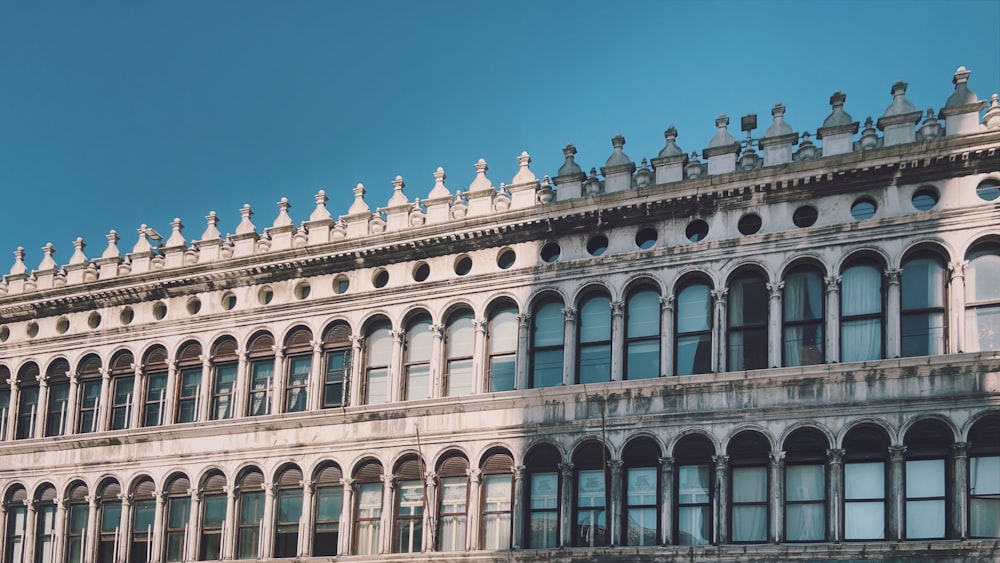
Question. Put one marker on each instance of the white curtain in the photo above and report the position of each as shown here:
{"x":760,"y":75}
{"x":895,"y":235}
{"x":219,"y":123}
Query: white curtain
{"x":749,"y":521}
{"x":794,"y":306}
{"x":864,"y":506}
{"x":925,"y":514}
{"x":861,"y":295}
{"x":805,"y":493}
{"x":984,"y":488}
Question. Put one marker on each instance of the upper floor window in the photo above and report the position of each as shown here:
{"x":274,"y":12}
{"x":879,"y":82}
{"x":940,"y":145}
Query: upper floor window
{"x":805,"y":485}
{"x":417,"y":358}
{"x":378,"y":356}
{"x":642,"y":334}
{"x":748,"y":318}
{"x":694,"y":491}
{"x":866,"y":448}
{"x":27,"y":409}
{"x":922,"y":313}
{"x":57,"y":411}
{"x":861,"y":318}
{"x":225,"y":364}
{"x":547,"y":345}
{"x":459,"y":346}
{"x":329,"y":504}
{"x":453,"y":509}
{"x":368,"y":509}
{"x":802,"y":304}
{"x":122,"y":387}
{"x":590,"y":522}
{"x":984,"y":478}
{"x":641,"y":519}
{"x":502,"y":343}
{"x":497,"y":501}
{"x":337,"y":354}
{"x":90,"y":394}
{"x":288,"y":495}
{"x":982,"y":299}
{"x":927,"y":477}
{"x":155,"y":403}
{"x":299,"y":351}
{"x":409,"y":504}
{"x":693,"y":349}
{"x":542,"y":518}
{"x":261,"y":384}
{"x":594,"y":350}
{"x":176,"y":517}
{"x":748,"y":458}
{"x":189,"y":382}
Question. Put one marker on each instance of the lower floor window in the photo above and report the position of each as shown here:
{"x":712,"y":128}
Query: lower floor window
{"x":543,"y":519}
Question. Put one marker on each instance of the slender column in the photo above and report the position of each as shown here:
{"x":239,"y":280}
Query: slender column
{"x":472,"y":509}
{"x":892,"y":307}
{"x":719,"y":340}
{"x":314,"y":395}
{"x":667,"y":335}
{"x":28,"y":536}
{"x":518,"y":515}
{"x":40,"y":409}
{"x":306,"y":519}
{"x":832,"y":327}
{"x":158,"y":527}
{"x":346,"y":518}
{"x":774,"y":324}
{"x":278,"y":380}
{"x":124,"y":529}
{"x":3,"y":522}
{"x":72,"y":405}
{"x":523,"y":335}
{"x":396,"y":377}
{"x":956,"y":308}
{"x":241,"y":385}
{"x":437,"y":376}
{"x":566,"y":505}
{"x":666,"y":500}
{"x":959,"y":489}
{"x":138,"y":396}
{"x":430,"y":518}
{"x":479,"y":360}
{"x":385,"y":526}
{"x":569,"y":346}
{"x":267,"y":530}
{"x":617,"y":341}
{"x":169,"y":407}
{"x":897,"y":495}
{"x":354,"y":383}
{"x":777,"y":495}
{"x":191,"y":535}
{"x":615,"y":512}
{"x":15,"y":392}
{"x":205,"y":391}
{"x":229,"y":524}
{"x":103,"y":415}
{"x":90,"y":542}
{"x":835,"y":492}
{"x":59,"y":530}
{"x":721,"y":531}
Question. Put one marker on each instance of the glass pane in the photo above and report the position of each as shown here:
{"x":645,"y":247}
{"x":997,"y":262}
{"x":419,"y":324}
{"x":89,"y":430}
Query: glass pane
{"x":289,"y":506}
{"x":803,"y":296}
{"x":419,"y":342}
{"x":984,"y":267}
{"x":595,"y":363}
{"x":864,"y":520}
{"x":461,"y":336}
{"x":748,"y":302}
{"x":694,"y":354}
{"x":78,"y":517}
{"x":503,"y":331}
{"x":544,"y":491}
{"x":923,"y":333}
{"x":590,"y":489}
{"x":693,"y":484}
{"x":694,"y":309}
{"x":984,"y":476}
{"x":215,"y":510}
{"x":749,"y":523}
{"x":643,"y":314}
{"x":922,"y":284}
{"x":595,"y":319}
{"x":982,"y":326}
{"x":543,"y":530}
{"x":641,"y":486}
{"x":177,"y":512}
{"x":804,"y":482}
{"x":459,"y":377}
{"x":805,"y":522}
{"x":861,"y":290}
{"x":418,"y":382}
{"x":643,"y":359}
{"x":453,"y":495}
{"x":329,"y":504}
{"x":749,"y":484}
{"x":864,"y":480}
{"x":251,"y":508}
{"x":861,"y":340}
{"x":378,"y":386}
{"x":548,"y":325}
{"x":502,"y":373}
{"x":925,"y":478}
{"x":547,"y":368}
{"x":984,"y":518}
{"x":497,"y":493}
{"x":925,"y":519}
{"x":111,"y":515}
{"x":641,"y":526}
{"x":379,"y":347}
{"x":693,"y":525}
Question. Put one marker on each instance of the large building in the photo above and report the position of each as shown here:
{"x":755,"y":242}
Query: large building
{"x":781,"y":350}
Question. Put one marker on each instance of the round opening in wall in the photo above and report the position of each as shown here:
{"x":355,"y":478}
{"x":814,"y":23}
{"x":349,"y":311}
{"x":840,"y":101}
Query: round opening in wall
{"x":506,"y":259}
{"x":749,"y":224}
{"x":925,"y":198}
{"x":380,"y":278}
{"x":302,"y":290}
{"x":696,"y":230}
{"x":94,"y":320}
{"x":988,"y":190}
{"x":62,"y":325}
{"x":340,"y":284}
{"x":193,"y":306}
{"x":127,"y":316}
{"x":159,"y":310}
{"x":863,"y":208}
{"x":598,"y":245}
{"x":4,"y":334}
{"x":646,"y":238}
{"x":228,"y":301}
{"x":805,"y":216}
{"x":265,"y":295}
{"x":32,"y":329}
{"x":463,"y":265}
{"x":550,"y":252}
{"x":421,"y":272}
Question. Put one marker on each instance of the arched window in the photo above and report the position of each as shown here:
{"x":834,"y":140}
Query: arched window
{"x":250,"y":511}
{"x":225,"y":364}
{"x":497,"y":499}
{"x":213,"y":516}
{"x":78,"y":512}
{"x":189,"y":384}
{"x":590,"y":521}
{"x":17,"y":517}
{"x":261,"y":353}
{"x":409,"y":503}
{"x":547,"y":345}
{"x":984,"y":478}
{"x":155,"y":405}
{"x":641,"y":521}
{"x":748,"y":318}
{"x":922,"y":312}
{"x":927,"y":477}
{"x":748,"y":485}
{"x":417,"y":358}
{"x":90,"y":394}
{"x":460,"y":342}
{"x":57,"y":410}
{"x":378,"y":357}
{"x":109,"y":521}
{"x":594,"y":349}
{"x":642,"y":334}
{"x":453,"y":507}
{"x":175,"y":523}
{"x":542,"y":530}
{"x":289,"y":499}
{"x":502,"y":334}
{"x":866,"y":448}
{"x":693,"y":351}
{"x":802,"y":303}
{"x":368,"y":508}
{"x":693,"y":522}
{"x":27,"y":408}
{"x":982,"y":301}
{"x":122,"y":387}
{"x":337,"y":352}
{"x":143,"y":512}
{"x":329,"y":505}
{"x":861,"y":318}
{"x":45,"y":524}
{"x":298,"y":365}
{"x":805,"y":485}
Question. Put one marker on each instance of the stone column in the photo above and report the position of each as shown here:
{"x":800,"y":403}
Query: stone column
{"x":959,"y":528}
{"x":385,"y":526}
{"x":437,"y":381}
{"x":523,"y":338}
{"x":832,"y":327}
{"x":774,"y":324}
{"x":569,"y":346}
{"x":30,"y":527}
{"x":566,"y":505}
{"x":479,"y":358}
{"x":835,"y":495}
{"x":346,"y":518}
{"x":59,"y":530}
{"x":124,"y":529}
{"x":396,"y":377}
{"x":168,"y":409}
{"x":229,"y":525}
{"x":43,"y":400}
{"x":72,"y":405}
{"x":103,"y":414}
{"x":355,"y":386}
{"x":892,"y":308}
{"x":666,"y":500}
{"x":317,"y":378}
{"x":777,"y":469}
{"x":241,"y":385}
{"x":205,"y":391}
{"x":956,"y":308}
{"x":430,"y":518}
{"x":306,"y":519}
{"x":11,"y":422}
{"x":667,"y":335}
{"x":267,"y":530}
{"x":517,"y":516}
{"x":616,"y":499}
{"x":617,"y":341}
{"x":475,"y":500}
{"x":90,"y":542}
{"x":156,"y":544}
{"x":276,"y":391}
{"x":896,"y":493}
{"x":3,"y":521}
{"x":719,"y":339}
{"x":138,"y":397}
{"x":721,"y":504}
{"x":191,"y":535}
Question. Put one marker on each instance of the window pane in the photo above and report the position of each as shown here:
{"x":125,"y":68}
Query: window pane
{"x":643,"y":314}
{"x":804,"y":482}
{"x":861,"y":290}
{"x":177,"y":512}
{"x":215,"y":511}
{"x":864,"y":520}
{"x":749,"y":484}
{"x":983,"y":273}
{"x":749,"y":523}
{"x":643,"y":359}
{"x":641,"y":526}
{"x":694,"y":309}
{"x":641,"y":485}
{"x":861,"y":340}
{"x":923,"y":333}
{"x":590,"y":488}
{"x":595,"y":319}
{"x":502,"y":373}
{"x":503,"y":331}
{"x":984,"y":476}
{"x":693,"y":484}
{"x":547,"y":368}
{"x":418,"y":381}
{"x":864,"y":480}
{"x":925,"y":478}
{"x":548,"y":325}
{"x":419,"y":342}
{"x":378,"y":386}
{"x":459,"y":377}
{"x":803,"y":296}
{"x":379,"y":347}
{"x":542,"y":526}
{"x":925,"y":519}
{"x":982,"y":328}
{"x":805,"y":522}
{"x":694,"y":354}
{"x":693,"y":525}
{"x":595,"y":363}
{"x":329,"y":504}
{"x":289,"y":506}
{"x":544,"y":491}
{"x":748,"y":301}
{"x":922,"y":284}
{"x":461,"y":336}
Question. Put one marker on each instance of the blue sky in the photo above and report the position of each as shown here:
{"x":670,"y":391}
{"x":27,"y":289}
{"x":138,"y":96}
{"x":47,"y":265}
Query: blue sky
{"x":115,"y":114}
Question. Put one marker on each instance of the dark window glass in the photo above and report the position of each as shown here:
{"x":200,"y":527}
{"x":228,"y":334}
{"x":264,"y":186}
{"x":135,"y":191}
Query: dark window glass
{"x":693,"y":350}
{"x":748,"y":312}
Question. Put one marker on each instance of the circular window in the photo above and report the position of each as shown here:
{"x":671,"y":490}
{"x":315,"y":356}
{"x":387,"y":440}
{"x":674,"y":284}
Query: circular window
{"x":228,"y":301}
{"x":506,"y":259}
{"x":696,"y":230}
{"x":988,"y":190}
{"x":749,"y":224}
{"x":4,"y":334}
{"x":925,"y":198}
{"x":127,"y":316}
{"x":380,"y":278}
{"x":863,"y":208}
{"x":302,"y":290}
{"x":340,"y":284}
{"x":805,"y":216}
{"x":62,"y":325}
{"x":550,"y":252}
{"x":94,"y":320}
{"x":463,"y":265}
{"x":597,"y":245}
{"x":265,"y":295}
{"x":421,"y":272}
{"x":646,"y":238}
{"x":193,"y":306}
{"x":159,"y":310}
{"x":32,"y":329}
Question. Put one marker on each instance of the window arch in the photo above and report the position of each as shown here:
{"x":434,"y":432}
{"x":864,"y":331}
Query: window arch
{"x":922,"y":313}
{"x":89,"y":371}
{"x":368,"y":509}
{"x":288,"y":496}
{"x":862,"y":320}
{"x":927,"y":475}
{"x":866,"y":448}
{"x":542,"y":467}
{"x":497,"y":500}
{"x":17,"y":519}
{"x":417,"y":352}
{"x":378,"y":356}
{"x":176,"y":517}
{"x":57,"y":410}
{"x":154,"y":364}
{"x":641,"y":521}
{"x":45,"y":523}
{"x":694,"y":490}
{"x":984,"y":478}
{"x":547,"y":344}
{"x":803,"y":314}
{"x":260,"y":350}
{"x":749,"y":520}
{"x":409,"y":505}
{"x":642,"y":334}
{"x":693,"y":326}
{"x":982,"y":301}
{"x":460,"y":341}
{"x":225,"y":364}
{"x":27,"y":401}
{"x":590,"y":509}
{"x":189,"y":367}
{"x":593,"y":353}
{"x":329,"y":504}
{"x":337,"y":352}
{"x":122,"y":388}
{"x":109,"y":520}
{"x":143,"y":516}
{"x":78,"y":512}
{"x":250,"y":511}
{"x":805,"y":485}
{"x":502,"y":336}
{"x":213,"y":516}
{"x":298,"y":368}
{"x":748,"y":318}
{"x":453,"y":504}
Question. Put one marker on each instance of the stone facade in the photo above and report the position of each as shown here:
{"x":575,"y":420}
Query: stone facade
{"x":791,"y":356}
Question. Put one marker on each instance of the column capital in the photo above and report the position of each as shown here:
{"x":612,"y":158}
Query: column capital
{"x":896,"y":453}
{"x":777,"y":457}
{"x":569,"y":314}
{"x":774,"y":289}
{"x":667,"y":303}
{"x":833,"y":283}
{"x":42,"y":379}
{"x":397,"y":335}
{"x":12,"y":382}
{"x":475,"y":475}
{"x":666,"y":463}
{"x":437,"y":331}
{"x":356,"y":340}
{"x":566,"y":469}
{"x":960,"y":449}
{"x":196,"y":494}
{"x":616,"y":466}
{"x":617,"y":308}
{"x":719,"y":295}
{"x":317,"y":346}
{"x":348,"y":483}
{"x":957,"y":269}
{"x":835,"y":456}
{"x":430,"y":479}
{"x":480,"y":324}
{"x":518,"y":471}
{"x":721,"y":462}
{"x":308,"y":485}
{"x":892,"y":276}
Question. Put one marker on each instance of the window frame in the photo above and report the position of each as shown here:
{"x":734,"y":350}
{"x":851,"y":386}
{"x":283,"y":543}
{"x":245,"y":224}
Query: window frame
{"x":758,"y":329}
{"x":593,"y":353}
{"x":417,"y":367}
{"x":698,"y":336}
{"x":927,"y":310}
{"x":811,"y":275}
{"x":455,"y":358}
{"x":503,"y":356}
{"x":554,"y":351}
{"x":847,"y":320}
